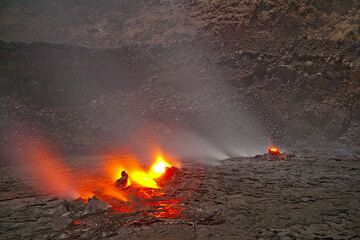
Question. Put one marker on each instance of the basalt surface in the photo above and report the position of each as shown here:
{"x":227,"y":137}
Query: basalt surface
{"x":85,"y":76}
{"x":308,"y":195}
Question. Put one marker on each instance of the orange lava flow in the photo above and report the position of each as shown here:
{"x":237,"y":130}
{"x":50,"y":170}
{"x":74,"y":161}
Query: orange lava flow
{"x":168,"y":208}
{"x":47,"y":172}
{"x":138,"y":175}
{"x":144,"y":185}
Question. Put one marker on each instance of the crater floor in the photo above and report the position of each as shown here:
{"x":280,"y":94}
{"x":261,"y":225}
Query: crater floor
{"x":311,"y":195}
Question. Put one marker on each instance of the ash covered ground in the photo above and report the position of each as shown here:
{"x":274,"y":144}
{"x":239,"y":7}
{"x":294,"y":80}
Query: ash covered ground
{"x":217,"y":82}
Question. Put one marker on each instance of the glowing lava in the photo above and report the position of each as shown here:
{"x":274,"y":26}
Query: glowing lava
{"x":140,"y":191}
{"x":138,"y":175}
{"x":143,"y":179}
{"x":159,"y":167}
{"x":274,"y":151}
{"x":148,"y":179}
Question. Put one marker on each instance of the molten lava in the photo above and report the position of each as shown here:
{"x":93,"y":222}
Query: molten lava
{"x":274,"y":151}
{"x":144,"y":186}
{"x":143,"y":178}
{"x":159,"y":167}
{"x":126,"y":184}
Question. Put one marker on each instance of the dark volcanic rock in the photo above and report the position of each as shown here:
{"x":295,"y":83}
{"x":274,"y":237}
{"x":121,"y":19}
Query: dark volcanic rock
{"x":243,"y":80}
{"x":239,"y":74}
{"x":313,"y":193}
{"x":95,"y":205}
{"x":285,"y":73}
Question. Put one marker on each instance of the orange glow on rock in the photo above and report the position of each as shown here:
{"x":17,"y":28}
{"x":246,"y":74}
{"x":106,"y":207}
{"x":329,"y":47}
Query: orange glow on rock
{"x":167,"y":208}
{"x":138,"y":175}
{"x":45,"y":170}
{"x":274,"y":151}
{"x":143,"y":179}
{"x":41,"y":167}
{"x":159,"y":167}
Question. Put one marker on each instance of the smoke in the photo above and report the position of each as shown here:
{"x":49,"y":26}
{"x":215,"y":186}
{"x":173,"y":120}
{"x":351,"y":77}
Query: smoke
{"x":175,"y":140}
{"x":41,"y":167}
{"x":219,"y":113}
{"x":110,"y":93}
{"x":190,"y":145}
{"x":227,"y":122}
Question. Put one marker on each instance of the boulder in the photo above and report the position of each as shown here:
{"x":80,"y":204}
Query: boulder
{"x":95,"y":205}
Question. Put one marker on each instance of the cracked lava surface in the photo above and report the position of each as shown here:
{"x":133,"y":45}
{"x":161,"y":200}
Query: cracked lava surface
{"x":310,"y":195}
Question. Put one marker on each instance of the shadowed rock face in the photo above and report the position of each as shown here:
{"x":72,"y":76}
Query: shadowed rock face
{"x":298,"y":91}
{"x":113,"y":22}
{"x":310,"y":195}
{"x":62,"y":75}
{"x":275,"y":59}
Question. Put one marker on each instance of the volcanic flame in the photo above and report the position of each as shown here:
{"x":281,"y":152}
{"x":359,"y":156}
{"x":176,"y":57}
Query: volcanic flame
{"x":159,"y":167}
{"x":45,"y":170}
{"x":274,"y":151}
{"x":144,"y":179}
{"x":137,"y":174}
